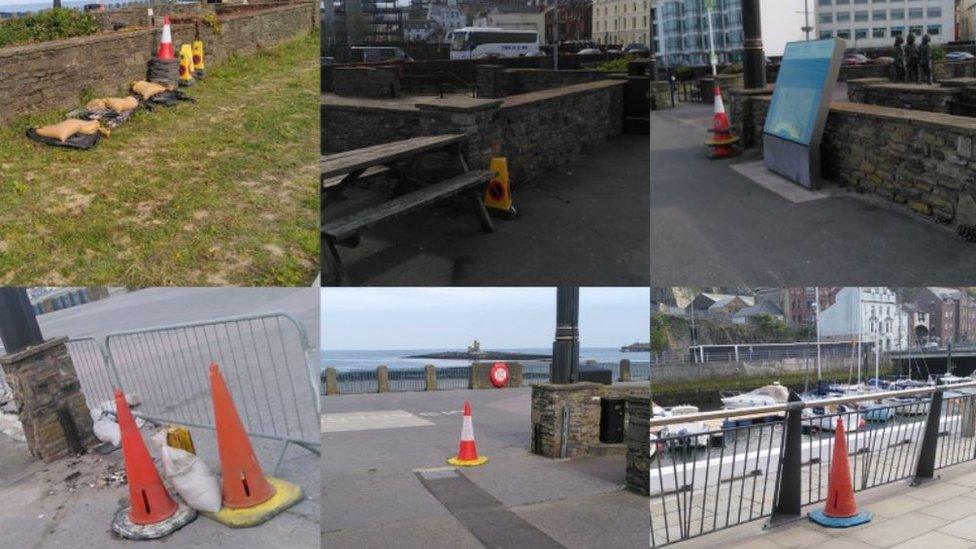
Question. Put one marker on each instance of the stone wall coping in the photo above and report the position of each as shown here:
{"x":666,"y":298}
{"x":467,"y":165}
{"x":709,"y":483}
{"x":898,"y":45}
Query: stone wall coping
{"x":569,"y":386}
{"x":31,"y":351}
{"x":457,"y":103}
{"x":866,"y":80}
{"x":957,"y":124}
{"x":958,"y":82}
{"x":523,"y":99}
{"x":768,"y":90}
{"x":936,"y":90}
{"x":55,"y":45}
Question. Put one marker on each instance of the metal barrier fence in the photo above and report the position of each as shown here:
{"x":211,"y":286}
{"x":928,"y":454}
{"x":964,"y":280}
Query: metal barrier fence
{"x":456,"y":377}
{"x":723,"y":477}
{"x":265,"y":359}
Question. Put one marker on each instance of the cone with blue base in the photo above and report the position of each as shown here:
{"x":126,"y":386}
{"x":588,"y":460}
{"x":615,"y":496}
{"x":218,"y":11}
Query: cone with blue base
{"x":841,"y":509}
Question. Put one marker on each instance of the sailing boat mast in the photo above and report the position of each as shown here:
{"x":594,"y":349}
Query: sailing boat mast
{"x":816,"y":310}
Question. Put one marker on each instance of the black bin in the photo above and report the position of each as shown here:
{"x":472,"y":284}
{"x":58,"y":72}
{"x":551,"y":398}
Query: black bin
{"x":612,"y":420}
{"x":596,"y":374}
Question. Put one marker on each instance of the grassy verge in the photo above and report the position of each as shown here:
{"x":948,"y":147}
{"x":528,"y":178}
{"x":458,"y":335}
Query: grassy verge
{"x":222,"y":191}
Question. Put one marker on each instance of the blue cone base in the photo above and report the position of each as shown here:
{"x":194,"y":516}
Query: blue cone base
{"x":820,"y":518}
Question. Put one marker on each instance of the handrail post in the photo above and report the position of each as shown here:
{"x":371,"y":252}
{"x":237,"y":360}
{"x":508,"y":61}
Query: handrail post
{"x":925,"y":467}
{"x":787,"y":503}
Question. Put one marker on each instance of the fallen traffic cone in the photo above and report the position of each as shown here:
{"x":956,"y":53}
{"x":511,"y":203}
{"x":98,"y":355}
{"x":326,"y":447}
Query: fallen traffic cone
{"x":498,"y":195}
{"x":152,"y":512}
{"x":467,"y":455}
{"x":722,"y":140}
{"x":841,"y":509}
{"x":165,"y":51}
{"x":249,"y":498}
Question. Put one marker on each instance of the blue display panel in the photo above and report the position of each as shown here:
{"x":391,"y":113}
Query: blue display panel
{"x":799,"y":90}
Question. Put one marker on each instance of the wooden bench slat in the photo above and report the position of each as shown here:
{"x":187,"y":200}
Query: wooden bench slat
{"x":349,"y":161}
{"x":350,"y":225}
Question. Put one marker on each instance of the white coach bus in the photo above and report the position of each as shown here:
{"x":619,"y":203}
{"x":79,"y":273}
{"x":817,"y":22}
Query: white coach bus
{"x":481,"y":42}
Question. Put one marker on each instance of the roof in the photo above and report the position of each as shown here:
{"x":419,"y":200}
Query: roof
{"x":945,"y":293}
{"x":721,"y":300}
{"x":763,"y":307}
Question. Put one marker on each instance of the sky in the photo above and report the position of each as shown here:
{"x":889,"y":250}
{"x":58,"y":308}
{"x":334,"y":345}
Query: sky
{"x":436,"y":318}
{"x":781,"y":23}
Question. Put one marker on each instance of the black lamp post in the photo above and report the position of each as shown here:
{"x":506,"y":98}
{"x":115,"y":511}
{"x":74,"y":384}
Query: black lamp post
{"x":18,"y":325}
{"x":754,"y":60}
{"x":565,"y":349}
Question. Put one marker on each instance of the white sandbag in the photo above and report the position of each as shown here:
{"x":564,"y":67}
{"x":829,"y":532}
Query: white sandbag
{"x":107,"y":430}
{"x":190,"y":476}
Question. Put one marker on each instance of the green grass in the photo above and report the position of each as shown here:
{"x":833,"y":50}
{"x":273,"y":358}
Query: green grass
{"x":47,"y":25}
{"x":223,"y":191}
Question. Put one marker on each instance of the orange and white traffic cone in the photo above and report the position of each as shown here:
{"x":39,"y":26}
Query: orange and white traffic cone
{"x":152,"y":512}
{"x":165,"y":51}
{"x":841,"y":509}
{"x":467,"y":455}
{"x":249,"y":498}
{"x":722,"y":141}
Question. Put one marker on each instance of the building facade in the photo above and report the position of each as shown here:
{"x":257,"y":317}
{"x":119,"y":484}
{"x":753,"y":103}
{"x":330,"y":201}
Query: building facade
{"x":871,"y":314}
{"x":621,"y":22}
{"x":800,"y":303}
{"x":516,"y":17}
{"x":952,"y":314}
{"x":967,"y":19}
{"x":876,"y":23}
{"x":681,"y":32}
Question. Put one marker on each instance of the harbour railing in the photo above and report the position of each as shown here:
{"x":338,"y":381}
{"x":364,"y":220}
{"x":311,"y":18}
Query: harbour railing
{"x":382,"y":379}
{"x":743,"y":354}
{"x":716,"y":470}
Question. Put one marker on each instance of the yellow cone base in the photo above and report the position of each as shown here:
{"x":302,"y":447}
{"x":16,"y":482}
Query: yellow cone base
{"x":718,"y":143}
{"x":467,"y":462}
{"x":123,"y":525}
{"x":286,"y":495}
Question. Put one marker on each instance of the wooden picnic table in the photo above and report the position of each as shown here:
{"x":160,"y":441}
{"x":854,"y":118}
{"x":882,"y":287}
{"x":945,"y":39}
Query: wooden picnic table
{"x":340,"y":169}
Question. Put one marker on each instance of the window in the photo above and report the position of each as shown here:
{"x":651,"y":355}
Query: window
{"x":915,"y":13}
{"x":824,"y":2}
{"x":860,"y":34}
{"x":897,"y":15}
{"x":879,"y":15}
{"x":844,"y":33}
{"x":935,"y":13}
{"x":843,"y":16}
{"x":935,"y":30}
{"x":826,"y":34}
{"x":842,"y":2}
{"x":878,"y":32}
{"x":897,"y":31}
{"x":860,"y":1}
{"x":860,"y":16}
{"x":916,"y":30}
{"x":825,"y":18}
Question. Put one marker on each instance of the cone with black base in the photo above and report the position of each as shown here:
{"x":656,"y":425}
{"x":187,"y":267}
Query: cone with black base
{"x":249,"y":498}
{"x":841,"y":509}
{"x":152,"y":513}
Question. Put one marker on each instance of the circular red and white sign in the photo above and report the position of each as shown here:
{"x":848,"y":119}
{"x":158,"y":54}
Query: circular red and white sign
{"x":498,"y":375}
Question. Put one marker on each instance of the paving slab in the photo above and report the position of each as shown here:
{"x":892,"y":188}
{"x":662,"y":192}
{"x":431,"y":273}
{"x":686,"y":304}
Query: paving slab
{"x":934,"y":540}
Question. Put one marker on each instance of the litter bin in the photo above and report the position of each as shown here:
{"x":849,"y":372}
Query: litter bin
{"x":612,"y":420}
{"x":596,"y":374}
{"x":327,"y":76}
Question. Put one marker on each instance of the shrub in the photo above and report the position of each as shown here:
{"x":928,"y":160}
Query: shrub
{"x":47,"y":25}
{"x":734,"y":68}
{"x":616,"y":65}
{"x":938,"y":54}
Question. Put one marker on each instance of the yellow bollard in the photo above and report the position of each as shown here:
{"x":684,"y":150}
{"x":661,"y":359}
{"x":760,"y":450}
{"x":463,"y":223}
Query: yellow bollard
{"x":198,"y":58}
{"x":186,"y":65}
{"x":498,"y":195}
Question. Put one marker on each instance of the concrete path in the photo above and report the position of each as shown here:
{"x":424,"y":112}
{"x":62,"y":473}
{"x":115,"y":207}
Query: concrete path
{"x":585,"y":223}
{"x":375,"y":498}
{"x":711,"y":222}
{"x":940,"y":514}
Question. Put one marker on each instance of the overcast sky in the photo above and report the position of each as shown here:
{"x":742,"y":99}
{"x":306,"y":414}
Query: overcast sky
{"x":781,"y":23}
{"x":433,"y":318}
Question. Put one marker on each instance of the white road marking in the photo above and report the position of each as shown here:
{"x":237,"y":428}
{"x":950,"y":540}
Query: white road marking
{"x":368,"y":421}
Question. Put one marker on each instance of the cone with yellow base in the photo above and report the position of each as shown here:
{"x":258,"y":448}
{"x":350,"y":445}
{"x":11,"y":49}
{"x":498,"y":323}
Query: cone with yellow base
{"x":467,"y":455}
{"x":498,"y":194}
{"x":249,"y":498}
{"x":722,"y":142}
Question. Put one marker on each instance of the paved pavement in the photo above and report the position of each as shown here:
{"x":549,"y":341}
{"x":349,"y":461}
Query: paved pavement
{"x":940,"y":514}
{"x":35,"y":496}
{"x":710,"y":222}
{"x":374,"y":495}
{"x":585,"y":223}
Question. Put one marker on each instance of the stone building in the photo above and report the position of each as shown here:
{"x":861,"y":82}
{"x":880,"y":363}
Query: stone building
{"x":952,"y":312}
{"x":799,"y":304}
{"x":516,"y":17}
{"x":621,"y":22}
{"x":870,"y":314}
{"x":876,"y":24}
{"x":967,"y":19}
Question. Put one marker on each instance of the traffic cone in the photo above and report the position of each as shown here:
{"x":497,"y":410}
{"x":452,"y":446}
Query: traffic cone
{"x":722,"y":140}
{"x":198,"y":68}
{"x":249,"y":498}
{"x":152,"y":512}
{"x":467,"y":455}
{"x":186,"y":65}
{"x":841,"y":509}
{"x":498,"y":194}
{"x":165,"y":51}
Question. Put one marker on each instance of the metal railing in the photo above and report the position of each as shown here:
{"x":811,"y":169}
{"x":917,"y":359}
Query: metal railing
{"x":770,"y":461}
{"x":265,"y":359}
{"x":668,"y":357}
{"x":687,"y":91}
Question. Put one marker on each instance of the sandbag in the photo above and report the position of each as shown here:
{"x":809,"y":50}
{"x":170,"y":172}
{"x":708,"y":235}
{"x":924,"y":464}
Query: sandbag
{"x":96,"y":105}
{"x":190,"y":476}
{"x":105,"y":429}
{"x":147,"y":89}
{"x":121,"y":104}
{"x":63,"y":130}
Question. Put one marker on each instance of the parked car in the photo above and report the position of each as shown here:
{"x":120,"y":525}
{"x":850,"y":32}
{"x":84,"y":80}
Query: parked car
{"x":637,"y":48}
{"x":614,"y":50}
{"x":93,"y":7}
{"x":588,"y":51}
{"x":856,"y":59}
{"x":959,"y":56}
{"x":379,"y":54}
{"x":883,"y":60}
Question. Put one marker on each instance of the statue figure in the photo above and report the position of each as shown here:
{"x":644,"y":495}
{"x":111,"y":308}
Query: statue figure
{"x":925,"y":61}
{"x":911,"y":60}
{"x":898,"y":67}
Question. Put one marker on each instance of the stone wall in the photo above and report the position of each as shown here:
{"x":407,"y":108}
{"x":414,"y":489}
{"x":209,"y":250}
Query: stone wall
{"x":495,"y":81}
{"x":660,"y":94}
{"x":924,"y":161}
{"x":726,"y":82}
{"x":536,"y":131}
{"x":369,"y":82}
{"x":940,"y":70}
{"x":50,"y":403}
{"x":712,"y":370}
{"x":637,"y":438}
{"x":39,"y":77}
{"x":478,"y":375}
{"x":917,"y":97}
